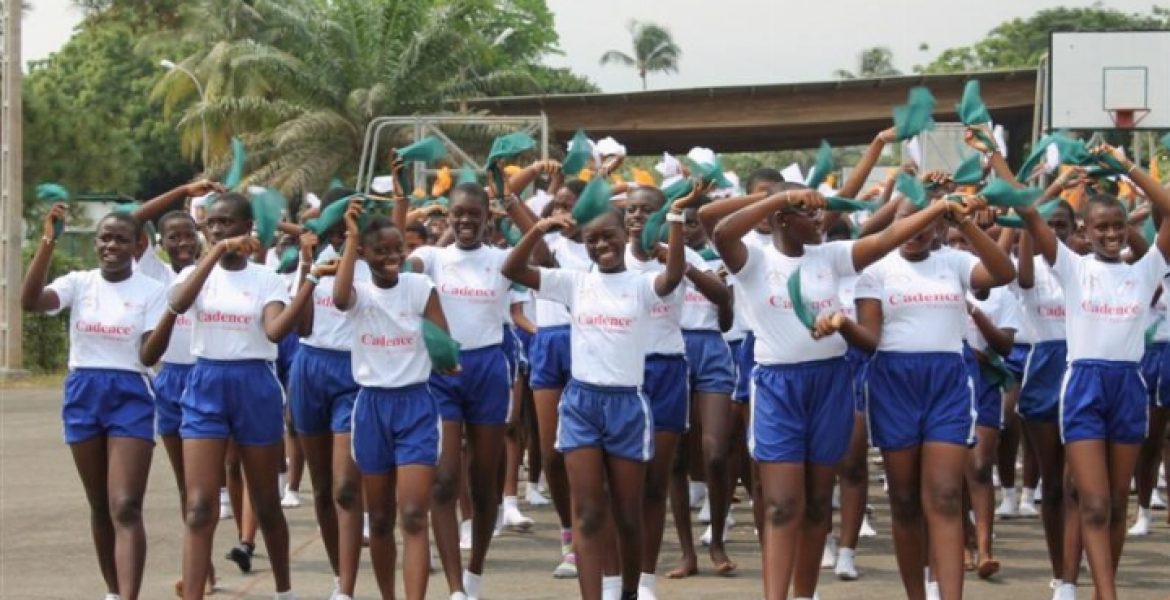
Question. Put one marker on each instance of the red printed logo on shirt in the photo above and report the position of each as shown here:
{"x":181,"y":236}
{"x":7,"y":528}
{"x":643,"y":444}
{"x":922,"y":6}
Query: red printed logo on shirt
{"x":607,"y":322}
{"x":1111,"y":311}
{"x":926,"y":299}
{"x":104,"y":330}
{"x":469,"y":293}
{"x":228,"y":320}
{"x":387,"y":342}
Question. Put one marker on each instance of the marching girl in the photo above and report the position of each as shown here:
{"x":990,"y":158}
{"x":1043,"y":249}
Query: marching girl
{"x":666,"y":370}
{"x":911,"y":306}
{"x":606,"y":428}
{"x":802,"y":402}
{"x":1103,"y":400}
{"x":321,"y":400}
{"x":396,"y":422}
{"x":474,"y":294}
{"x":240,"y":311}
{"x":1156,"y":371}
{"x":116,"y":329}
{"x":551,"y":357}
{"x":711,"y":372}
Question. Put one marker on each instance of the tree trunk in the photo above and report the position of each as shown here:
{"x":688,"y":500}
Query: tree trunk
{"x":642,"y":74}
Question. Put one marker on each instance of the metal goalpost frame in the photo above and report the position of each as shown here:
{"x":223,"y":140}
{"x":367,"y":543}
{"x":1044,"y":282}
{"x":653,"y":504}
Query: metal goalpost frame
{"x":425,"y":125}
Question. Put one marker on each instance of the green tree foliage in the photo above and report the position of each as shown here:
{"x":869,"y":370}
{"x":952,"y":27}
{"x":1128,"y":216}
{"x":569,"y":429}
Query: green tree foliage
{"x":1021,"y":42}
{"x":87,"y":121}
{"x":654,"y":51}
{"x":299,"y":80}
{"x":872,"y":62}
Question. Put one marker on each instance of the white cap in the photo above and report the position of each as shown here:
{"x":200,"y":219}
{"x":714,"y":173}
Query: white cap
{"x":670,"y":180}
{"x":669,"y":167}
{"x":727,"y":192}
{"x":255,"y":189}
{"x":608,"y":147}
{"x":999,"y":134}
{"x":312,"y":200}
{"x":1051,"y":159}
{"x":383,"y":184}
{"x":792,"y":174}
{"x":701,"y":155}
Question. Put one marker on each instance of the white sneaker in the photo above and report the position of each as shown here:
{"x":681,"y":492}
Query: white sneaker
{"x":465,"y":535}
{"x":511,"y":518}
{"x":533,"y":496}
{"x":113,"y":597}
{"x":1156,"y":500}
{"x":705,"y":539}
{"x":829,"y":554}
{"x":472,"y":585}
{"x":1008,"y":507}
{"x":845,"y":569}
{"x":225,"y":505}
{"x":1141,"y":527}
{"x":867,"y":530}
{"x":568,"y":568}
{"x":1028,"y":509}
{"x":1065,"y":591}
{"x":705,"y":512}
{"x":458,"y":596}
{"x":647,"y":587}
{"x":698,"y":494}
{"x":291,"y":499}
{"x":611,"y":587}
{"x":932,"y":591}
{"x":836,"y":497}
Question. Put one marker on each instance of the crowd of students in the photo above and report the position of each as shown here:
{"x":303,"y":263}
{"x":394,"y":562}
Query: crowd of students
{"x":629,"y":341}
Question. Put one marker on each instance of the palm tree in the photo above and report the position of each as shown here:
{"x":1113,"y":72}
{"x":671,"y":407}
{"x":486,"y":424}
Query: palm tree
{"x":301,"y":90}
{"x":872,"y":62}
{"x":654,"y":51}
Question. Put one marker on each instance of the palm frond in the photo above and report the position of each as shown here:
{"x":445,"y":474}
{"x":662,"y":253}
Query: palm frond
{"x":617,"y":56}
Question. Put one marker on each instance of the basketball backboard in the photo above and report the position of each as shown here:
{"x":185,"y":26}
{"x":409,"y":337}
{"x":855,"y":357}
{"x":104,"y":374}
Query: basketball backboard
{"x":1109,"y":80}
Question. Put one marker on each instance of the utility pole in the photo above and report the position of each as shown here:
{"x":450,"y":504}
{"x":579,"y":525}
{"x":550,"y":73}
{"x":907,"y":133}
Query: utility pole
{"x":11,"y":186}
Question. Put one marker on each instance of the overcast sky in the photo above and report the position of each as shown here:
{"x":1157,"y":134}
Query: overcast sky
{"x":727,"y":42}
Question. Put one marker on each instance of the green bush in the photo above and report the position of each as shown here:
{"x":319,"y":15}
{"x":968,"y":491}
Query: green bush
{"x":46,"y":339}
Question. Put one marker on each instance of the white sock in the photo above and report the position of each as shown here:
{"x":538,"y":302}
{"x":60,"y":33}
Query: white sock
{"x":611,"y":587}
{"x":337,"y":583}
{"x":1010,"y":495}
{"x":647,"y":581}
{"x":289,"y":595}
{"x":471,"y":584}
{"x":1143,"y":514}
{"x":1027,"y":495}
{"x":846,"y":553}
{"x":510,"y":502}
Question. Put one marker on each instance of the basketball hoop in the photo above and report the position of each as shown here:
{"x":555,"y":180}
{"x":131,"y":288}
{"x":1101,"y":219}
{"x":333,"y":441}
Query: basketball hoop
{"x":1127,"y":118}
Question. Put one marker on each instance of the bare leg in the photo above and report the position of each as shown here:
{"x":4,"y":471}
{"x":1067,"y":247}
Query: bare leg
{"x":485,"y":456}
{"x":128,"y":471}
{"x":814,"y":527}
{"x":318,"y":452}
{"x":1122,"y":461}
{"x":715,"y":413}
{"x":654,"y":506}
{"x":854,"y":481}
{"x":203,"y":462}
{"x":982,"y":495}
{"x":381,"y":500}
{"x":1151,"y":456}
{"x":448,"y":477}
{"x":1008,"y":447}
{"x":783,"y":500}
{"x":174,"y":447}
{"x":546,"y":402}
{"x":347,"y":504}
{"x":414,"y":498}
{"x":1045,"y":441}
{"x":586,"y":472}
{"x":680,"y":508}
{"x":262,"y":465}
{"x":626,"y":481}
{"x":903,"y":473}
{"x":294,"y":453}
{"x":1088,"y":462}
{"x":90,"y":458}
{"x":942,"y":499}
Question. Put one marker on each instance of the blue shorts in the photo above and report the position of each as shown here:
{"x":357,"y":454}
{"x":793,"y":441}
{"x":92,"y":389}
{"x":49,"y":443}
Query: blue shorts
{"x":918,"y":397}
{"x":509,"y":346}
{"x":286,"y":352}
{"x":1040,"y":385}
{"x":393,"y":427}
{"x":1156,"y":372}
{"x":858,"y":360}
{"x":988,"y":396}
{"x":1016,"y":359}
{"x":523,"y":345}
{"x":551,"y":361}
{"x":801,"y":412}
{"x":709,"y":361}
{"x":321,"y":391}
{"x":745,"y":360}
{"x":616,"y":419}
{"x":107,"y":402}
{"x":240,"y":399}
{"x":1103,"y":400}
{"x":481,"y":394}
{"x":665,"y":386}
{"x":169,"y":385}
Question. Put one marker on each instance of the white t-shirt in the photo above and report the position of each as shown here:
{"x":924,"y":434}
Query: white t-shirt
{"x":780,"y":336}
{"x":331,"y":329}
{"x":569,"y":255}
{"x":386,"y":325}
{"x":924,"y":303}
{"x":612,"y":321}
{"x":698,"y":312}
{"x":152,"y":266}
{"x":472,"y":290}
{"x":229,"y":312}
{"x":107,"y":320}
{"x":1000,"y":307}
{"x":666,"y":314}
{"x":1107,"y":303}
{"x":1158,"y":318}
{"x":1042,"y":313}
{"x":179,"y":349}
{"x":846,"y":286}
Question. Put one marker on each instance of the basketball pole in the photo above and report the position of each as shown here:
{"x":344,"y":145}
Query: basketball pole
{"x":11,"y":186}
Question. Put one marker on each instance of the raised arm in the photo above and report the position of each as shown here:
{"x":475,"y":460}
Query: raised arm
{"x":308,"y":245}
{"x":524,"y":177}
{"x":870,"y":249}
{"x":885,"y":213}
{"x":728,"y":233}
{"x":995,"y":268}
{"x":860,"y":173}
{"x":157,"y":206}
{"x":517,"y":265}
{"x":1159,"y":197}
{"x":714,"y":212}
{"x":280,"y":319}
{"x":343,"y":292}
{"x":676,"y":263}
{"x":183,"y":295}
{"x":708,"y":284}
{"x":33,"y":295}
